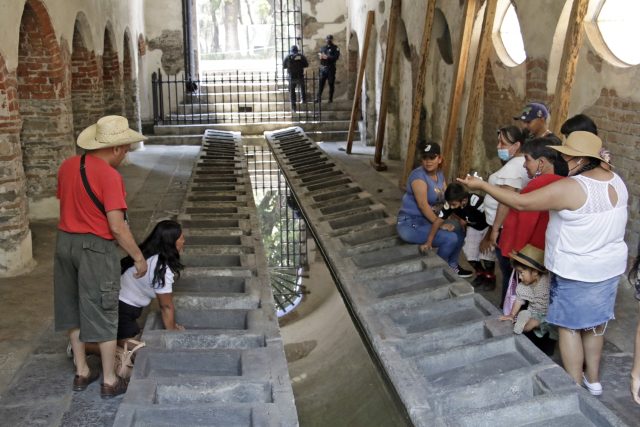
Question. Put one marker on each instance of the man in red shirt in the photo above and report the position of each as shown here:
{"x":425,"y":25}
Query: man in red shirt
{"x":86,"y":264}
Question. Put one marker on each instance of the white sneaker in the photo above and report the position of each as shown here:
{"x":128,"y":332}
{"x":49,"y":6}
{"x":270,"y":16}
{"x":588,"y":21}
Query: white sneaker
{"x":594,"y":388}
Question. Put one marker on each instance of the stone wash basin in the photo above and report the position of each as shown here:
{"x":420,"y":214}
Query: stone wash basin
{"x":211,"y":260}
{"x":205,"y":319}
{"x":224,"y":284}
{"x":218,"y":363}
{"x":203,"y":391}
{"x":213,"y":240}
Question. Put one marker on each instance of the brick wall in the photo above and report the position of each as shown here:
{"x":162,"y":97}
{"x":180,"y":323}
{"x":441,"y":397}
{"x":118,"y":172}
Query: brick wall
{"x":86,"y":85}
{"x":112,"y":78}
{"x":44,"y":100}
{"x":618,"y":120}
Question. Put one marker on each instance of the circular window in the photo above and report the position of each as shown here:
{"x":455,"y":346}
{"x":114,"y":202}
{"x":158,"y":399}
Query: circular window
{"x":617,"y":22}
{"x":508,"y":38}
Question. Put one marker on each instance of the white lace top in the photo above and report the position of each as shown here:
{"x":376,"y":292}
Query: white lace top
{"x":587,"y":244}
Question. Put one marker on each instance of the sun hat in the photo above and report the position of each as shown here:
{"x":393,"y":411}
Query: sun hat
{"x":109,"y":131}
{"x":532,"y":111}
{"x":581,"y":144}
{"x":531,"y":257}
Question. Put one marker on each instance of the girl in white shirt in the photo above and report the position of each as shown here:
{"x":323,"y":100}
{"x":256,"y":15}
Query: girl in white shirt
{"x":162,"y":250}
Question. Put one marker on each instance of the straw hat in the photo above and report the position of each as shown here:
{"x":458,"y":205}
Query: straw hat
{"x":531,"y":257}
{"x":109,"y":131}
{"x":581,"y":144}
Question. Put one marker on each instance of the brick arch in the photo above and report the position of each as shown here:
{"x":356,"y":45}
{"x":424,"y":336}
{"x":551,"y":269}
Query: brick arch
{"x":45,"y":105}
{"x":15,"y":237}
{"x":111,"y":76}
{"x":86,"y":81}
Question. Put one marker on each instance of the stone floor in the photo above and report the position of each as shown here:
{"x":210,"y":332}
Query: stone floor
{"x":35,"y":375}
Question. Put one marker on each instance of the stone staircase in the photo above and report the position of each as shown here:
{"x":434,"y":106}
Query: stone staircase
{"x":250,"y":107}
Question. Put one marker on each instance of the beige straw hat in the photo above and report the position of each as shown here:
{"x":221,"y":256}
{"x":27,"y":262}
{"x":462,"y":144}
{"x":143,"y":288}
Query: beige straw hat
{"x":531,"y":257}
{"x":581,"y":144}
{"x":109,"y":131}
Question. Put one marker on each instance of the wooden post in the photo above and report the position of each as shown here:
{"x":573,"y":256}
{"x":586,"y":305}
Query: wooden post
{"x":567,"y":72}
{"x":477,"y":87}
{"x":458,"y":83}
{"x":357,"y":96}
{"x":386,"y":81}
{"x":419,"y":93}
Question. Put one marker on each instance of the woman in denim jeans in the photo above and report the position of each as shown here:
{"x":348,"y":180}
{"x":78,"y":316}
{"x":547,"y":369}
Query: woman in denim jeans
{"x":421,"y":205}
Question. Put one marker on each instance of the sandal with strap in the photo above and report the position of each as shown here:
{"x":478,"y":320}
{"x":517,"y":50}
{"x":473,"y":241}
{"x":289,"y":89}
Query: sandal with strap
{"x":119,"y":387}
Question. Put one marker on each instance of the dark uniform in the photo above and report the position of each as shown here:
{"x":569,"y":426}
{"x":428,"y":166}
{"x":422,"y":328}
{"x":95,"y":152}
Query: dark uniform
{"x":328,"y":67}
{"x":295,"y":63}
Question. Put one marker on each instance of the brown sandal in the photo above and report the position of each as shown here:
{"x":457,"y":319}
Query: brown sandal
{"x":118,"y":388}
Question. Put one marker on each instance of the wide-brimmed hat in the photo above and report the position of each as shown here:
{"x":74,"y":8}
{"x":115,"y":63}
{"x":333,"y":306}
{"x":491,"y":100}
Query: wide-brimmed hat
{"x":531,"y":257}
{"x":109,"y":131}
{"x":581,"y":144}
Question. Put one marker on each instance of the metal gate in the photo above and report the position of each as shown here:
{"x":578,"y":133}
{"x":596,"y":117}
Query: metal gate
{"x":288,"y":28}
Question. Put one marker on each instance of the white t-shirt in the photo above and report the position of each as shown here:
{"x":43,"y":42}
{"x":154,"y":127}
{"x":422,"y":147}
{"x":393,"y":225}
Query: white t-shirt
{"x":512,"y":174}
{"x":139,"y":292}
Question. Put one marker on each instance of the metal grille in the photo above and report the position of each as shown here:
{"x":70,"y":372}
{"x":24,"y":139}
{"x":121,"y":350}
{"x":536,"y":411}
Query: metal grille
{"x":229,"y":97}
{"x":284,"y":231}
{"x":288,"y":29}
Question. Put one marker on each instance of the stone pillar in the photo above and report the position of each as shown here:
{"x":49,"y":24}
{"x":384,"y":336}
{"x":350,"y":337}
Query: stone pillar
{"x":112,"y":79}
{"x":15,"y":236}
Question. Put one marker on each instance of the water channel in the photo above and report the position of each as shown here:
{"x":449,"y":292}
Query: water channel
{"x":335,"y":381}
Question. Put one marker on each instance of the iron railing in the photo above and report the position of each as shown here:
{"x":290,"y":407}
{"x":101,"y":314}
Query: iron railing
{"x":284,"y":230}
{"x":288,"y":29}
{"x":230,"y":97}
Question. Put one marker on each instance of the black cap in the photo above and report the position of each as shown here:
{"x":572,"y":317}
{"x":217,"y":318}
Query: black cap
{"x":430,"y":149}
{"x":328,"y":37}
{"x":294,"y":49}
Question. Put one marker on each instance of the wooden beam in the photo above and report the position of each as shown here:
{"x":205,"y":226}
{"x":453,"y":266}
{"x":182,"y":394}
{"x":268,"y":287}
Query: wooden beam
{"x":418,"y":94}
{"x":477,"y":87}
{"x":458,"y":83}
{"x":386,"y":81}
{"x":567,"y":72}
{"x":371,"y":15}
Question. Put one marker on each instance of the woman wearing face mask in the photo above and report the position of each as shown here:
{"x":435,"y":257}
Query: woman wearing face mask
{"x":584,"y":249}
{"x":511,"y":177}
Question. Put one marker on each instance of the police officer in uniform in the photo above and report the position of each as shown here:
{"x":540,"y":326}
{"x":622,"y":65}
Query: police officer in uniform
{"x":295,"y":63}
{"x":328,"y":55}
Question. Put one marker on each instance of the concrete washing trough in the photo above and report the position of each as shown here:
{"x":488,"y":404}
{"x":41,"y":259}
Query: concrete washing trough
{"x":228,"y":366}
{"x":447,"y":357}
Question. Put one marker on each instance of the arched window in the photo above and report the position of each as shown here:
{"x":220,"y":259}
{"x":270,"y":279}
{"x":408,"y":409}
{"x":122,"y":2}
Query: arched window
{"x":617,"y":23}
{"x":507,"y":36}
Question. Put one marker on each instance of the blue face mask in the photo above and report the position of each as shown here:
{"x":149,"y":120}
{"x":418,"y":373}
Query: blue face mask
{"x":503,"y":154}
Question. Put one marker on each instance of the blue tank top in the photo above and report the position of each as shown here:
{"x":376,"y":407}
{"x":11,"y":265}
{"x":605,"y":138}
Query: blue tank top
{"x":435,"y":193}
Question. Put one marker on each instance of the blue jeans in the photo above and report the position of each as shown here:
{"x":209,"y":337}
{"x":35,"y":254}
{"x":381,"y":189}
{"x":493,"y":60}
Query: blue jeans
{"x":412,"y":229}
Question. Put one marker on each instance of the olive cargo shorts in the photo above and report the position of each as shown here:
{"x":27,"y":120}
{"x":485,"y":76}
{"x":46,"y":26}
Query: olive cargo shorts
{"x":86,"y":285}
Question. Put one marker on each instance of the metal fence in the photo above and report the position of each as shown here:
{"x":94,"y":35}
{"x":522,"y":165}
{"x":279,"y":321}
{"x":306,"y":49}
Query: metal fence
{"x":231,"y":97}
{"x":283,"y":229}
